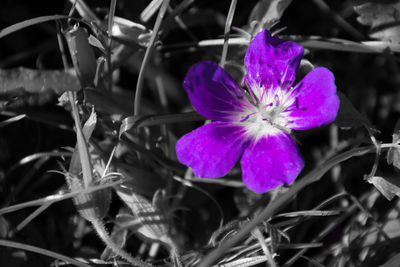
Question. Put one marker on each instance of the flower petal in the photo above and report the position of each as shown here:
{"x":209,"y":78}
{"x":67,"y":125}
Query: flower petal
{"x":213,"y":149}
{"x":270,"y":60}
{"x":317,"y":102}
{"x":270,"y":162}
{"x":213,"y":92}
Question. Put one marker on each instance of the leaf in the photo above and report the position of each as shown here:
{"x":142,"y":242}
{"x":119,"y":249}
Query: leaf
{"x":85,"y":11}
{"x":268,"y":12}
{"x":389,"y":186}
{"x":150,"y":10}
{"x":309,"y":213}
{"x":393,"y":155}
{"x":75,"y":165}
{"x":5,"y":227}
{"x":30,"y":22}
{"x":91,"y":205}
{"x":392,"y":262}
{"x":152,"y":120}
{"x":381,"y":46}
{"x":140,"y":180}
{"x":337,"y":44}
{"x":33,"y":81}
{"x":383,"y":19}
{"x":93,"y":41}
{"x":119,"y":233}
{"x":30,"y":87}
{"x":348,"y":116}
{"x":153,"y":226}
{"x":82,"y":54}
{"x":275,"y":237}
{"x":130,"y":33}
{"x":244,"y":262}
{"x":12,"y":120}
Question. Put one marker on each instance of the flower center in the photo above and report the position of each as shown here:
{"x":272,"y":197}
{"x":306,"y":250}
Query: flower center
{"x":267,"y":116}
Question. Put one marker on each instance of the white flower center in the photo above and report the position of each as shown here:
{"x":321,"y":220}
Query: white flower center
{"x":268,"y":117}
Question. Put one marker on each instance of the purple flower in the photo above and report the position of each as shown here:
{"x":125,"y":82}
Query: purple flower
{"x":256,"y":128}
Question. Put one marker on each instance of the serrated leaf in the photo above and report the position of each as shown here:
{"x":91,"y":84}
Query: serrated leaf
{"x":91,"y":205}
{"x":388,"y":186}
{"x":393,"y":155}
{"x":119,"y":233}
{"x":348,"y":116}
{"x":383,"y":19}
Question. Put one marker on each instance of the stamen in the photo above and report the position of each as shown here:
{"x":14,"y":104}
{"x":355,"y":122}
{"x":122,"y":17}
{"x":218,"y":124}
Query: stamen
{"x":267,"y":105}
{"x":278,"y":30}
{"x":245,"y":118}
{"x":276,"y":99}
{"x":248,"y":116}
{"x":240,"y":101}
{"x":289,"y":109}
{"x":251,"y":92}
{"x":262,"y":94}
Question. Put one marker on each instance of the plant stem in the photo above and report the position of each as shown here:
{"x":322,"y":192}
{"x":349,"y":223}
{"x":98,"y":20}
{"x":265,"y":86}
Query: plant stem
{"x":228,"y":24}
{"x":139,"y":85}
{"x":102,"y":232}
{"x":111,"y":14}
{"x":11,"y":244}
{"x":82,"y":144}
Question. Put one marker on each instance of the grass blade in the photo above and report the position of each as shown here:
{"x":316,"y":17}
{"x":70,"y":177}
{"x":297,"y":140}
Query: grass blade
{"x":30,"y":22}
{"x":11,"y":244}
{"x":228,"y":24}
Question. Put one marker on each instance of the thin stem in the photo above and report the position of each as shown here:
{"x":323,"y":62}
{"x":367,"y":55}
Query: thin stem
{"x":282,"y":200}
{"x":102,"y":232}
{"x":111,"y":14}
{"x":11,"y":244}
{"x":82,"y":144}
{"x":228,"y":24}
{"x":57,"y":197}
{"x":32,"y":216}
{"x":139,"y":85}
